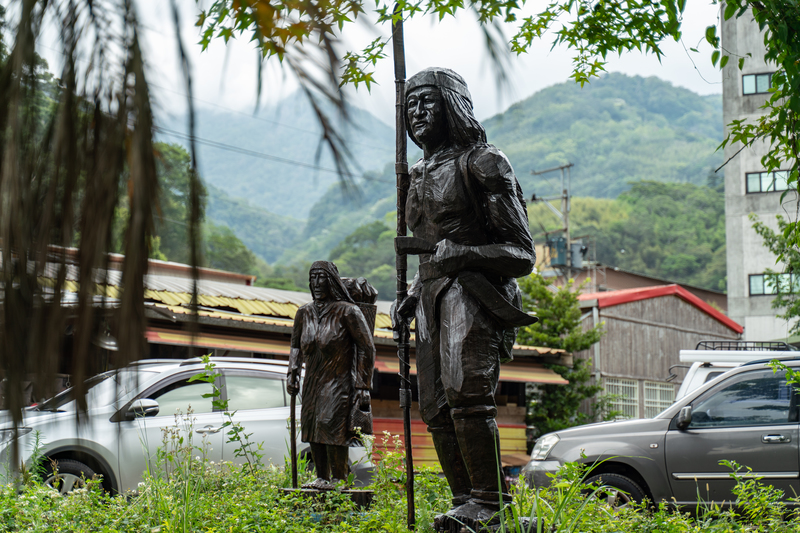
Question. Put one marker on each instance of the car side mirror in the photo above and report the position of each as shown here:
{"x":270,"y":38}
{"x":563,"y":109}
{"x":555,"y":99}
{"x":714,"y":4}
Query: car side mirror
{"x":684,"y":417}
{"x":142,"y":407}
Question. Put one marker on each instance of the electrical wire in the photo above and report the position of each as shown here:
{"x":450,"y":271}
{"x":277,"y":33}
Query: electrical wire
{"x":244,"y":151}
{"x":261,"y":155}
{"x":256,"y":117}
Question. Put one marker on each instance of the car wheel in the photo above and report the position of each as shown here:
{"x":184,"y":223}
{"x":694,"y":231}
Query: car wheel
{"x":618,"y":491}
{"x":70,"y":475}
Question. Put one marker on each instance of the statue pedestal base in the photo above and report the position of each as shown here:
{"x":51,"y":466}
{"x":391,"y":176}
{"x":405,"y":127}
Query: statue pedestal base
{"x":361,"y":497}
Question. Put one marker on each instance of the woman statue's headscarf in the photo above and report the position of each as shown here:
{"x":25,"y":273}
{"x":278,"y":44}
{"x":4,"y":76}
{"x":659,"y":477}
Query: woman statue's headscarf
{"x":335,"y":283}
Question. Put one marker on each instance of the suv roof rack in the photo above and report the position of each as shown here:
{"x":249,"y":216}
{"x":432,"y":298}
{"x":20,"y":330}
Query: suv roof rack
{"x":746,"y":346}
{"x":255,"y":360}
{"x":782,"y":359}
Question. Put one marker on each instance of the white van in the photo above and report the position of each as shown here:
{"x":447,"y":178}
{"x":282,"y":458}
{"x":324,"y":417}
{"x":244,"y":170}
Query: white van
{"x":713,"y":358}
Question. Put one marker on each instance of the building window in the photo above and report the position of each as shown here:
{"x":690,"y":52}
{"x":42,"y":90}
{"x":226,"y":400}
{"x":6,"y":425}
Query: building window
{"x":756,"y":83}
{"x":767,"y":181}
{"x":626,"y":392}
{"x":771,"y":284}
{"x":657,"y":397}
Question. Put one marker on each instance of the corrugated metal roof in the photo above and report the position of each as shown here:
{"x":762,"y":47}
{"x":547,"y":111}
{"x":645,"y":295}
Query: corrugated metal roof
{"x":253,"y":304}
{"x":382,"y":333}
{"x":184,"y":285}
{"x":176,"y":291}
{"x":623,"y":296}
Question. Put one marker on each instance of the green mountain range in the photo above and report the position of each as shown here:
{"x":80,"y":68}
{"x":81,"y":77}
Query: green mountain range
{"x":618,"y":130}
{"x":266,"y":157}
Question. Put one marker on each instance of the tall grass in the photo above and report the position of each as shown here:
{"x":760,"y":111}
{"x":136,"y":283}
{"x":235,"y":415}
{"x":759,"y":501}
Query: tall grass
{"x":187,"y":492}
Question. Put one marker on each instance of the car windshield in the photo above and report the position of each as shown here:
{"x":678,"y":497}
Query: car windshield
{"x":101,"y":389}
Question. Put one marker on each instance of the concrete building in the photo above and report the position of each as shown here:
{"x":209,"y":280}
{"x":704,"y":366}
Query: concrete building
{"x":748,"y":189}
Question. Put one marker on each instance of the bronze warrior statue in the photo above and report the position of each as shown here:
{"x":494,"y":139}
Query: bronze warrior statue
{"x":467,"y":213}
{"x":334,"y":340}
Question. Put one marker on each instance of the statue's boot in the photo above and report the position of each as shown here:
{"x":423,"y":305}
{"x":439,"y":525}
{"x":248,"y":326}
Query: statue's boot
{"x":479,"y":442}
{"x":452,"y":462}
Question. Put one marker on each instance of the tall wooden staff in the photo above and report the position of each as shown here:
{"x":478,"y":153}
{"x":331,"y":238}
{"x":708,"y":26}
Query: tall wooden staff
{"x":293,"y":439}
{"x":401,"y":263}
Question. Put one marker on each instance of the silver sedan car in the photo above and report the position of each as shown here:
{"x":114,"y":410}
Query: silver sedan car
{"x":128,"y":410}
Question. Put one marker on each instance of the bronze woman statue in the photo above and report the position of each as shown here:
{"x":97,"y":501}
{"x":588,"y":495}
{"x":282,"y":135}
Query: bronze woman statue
{"x":467,"y":213}
{"x":333,"y":339}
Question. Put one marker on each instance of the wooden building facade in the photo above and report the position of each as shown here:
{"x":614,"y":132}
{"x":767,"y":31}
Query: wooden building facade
{"x":645,"y":328}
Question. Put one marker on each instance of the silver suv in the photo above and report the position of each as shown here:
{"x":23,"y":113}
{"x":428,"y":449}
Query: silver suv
{"x":749,"y":415}
{"x":128,"y":409}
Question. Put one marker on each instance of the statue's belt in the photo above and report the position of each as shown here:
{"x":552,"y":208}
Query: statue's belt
{"x":474,"y":283}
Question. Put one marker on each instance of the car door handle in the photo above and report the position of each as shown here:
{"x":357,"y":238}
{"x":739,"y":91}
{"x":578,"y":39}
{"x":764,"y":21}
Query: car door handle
{"x":208,"y":429}
{"x":773,"y":439}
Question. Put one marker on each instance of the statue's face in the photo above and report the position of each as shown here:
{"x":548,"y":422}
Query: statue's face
{"x":426,"y":118}
{"x":320,"y":286}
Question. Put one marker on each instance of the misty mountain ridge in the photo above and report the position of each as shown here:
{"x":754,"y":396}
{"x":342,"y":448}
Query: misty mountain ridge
{"x":617,"y":130}
{"x":288,"y":130}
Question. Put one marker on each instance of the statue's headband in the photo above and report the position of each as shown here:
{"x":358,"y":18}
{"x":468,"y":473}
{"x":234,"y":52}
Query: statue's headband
{"x":442,"y":78}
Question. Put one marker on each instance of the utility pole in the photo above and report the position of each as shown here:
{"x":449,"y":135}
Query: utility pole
{"x":562,"y":215}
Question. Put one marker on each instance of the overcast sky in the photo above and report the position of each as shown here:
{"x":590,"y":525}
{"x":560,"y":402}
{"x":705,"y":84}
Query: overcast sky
{"x":225,"y":75}
{"x":451,"y":43}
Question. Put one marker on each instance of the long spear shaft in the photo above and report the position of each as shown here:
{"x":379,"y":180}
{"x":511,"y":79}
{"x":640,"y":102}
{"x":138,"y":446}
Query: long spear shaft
{"x":293,"y":437}
{"x":401,"y":262}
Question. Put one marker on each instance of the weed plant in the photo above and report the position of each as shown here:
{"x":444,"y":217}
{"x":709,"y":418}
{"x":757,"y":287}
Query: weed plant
{"x":186,"y":492}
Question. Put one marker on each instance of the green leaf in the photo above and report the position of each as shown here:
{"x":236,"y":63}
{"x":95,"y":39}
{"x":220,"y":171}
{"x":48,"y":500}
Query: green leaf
{"x":730,"y":9}
{"x":714,"y":57}
{"x":711,"y":36}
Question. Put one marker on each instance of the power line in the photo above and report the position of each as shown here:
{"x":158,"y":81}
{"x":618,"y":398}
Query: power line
{"x":256,"y":117}
{"x":261,"y":155}
{"x":194,"y":98}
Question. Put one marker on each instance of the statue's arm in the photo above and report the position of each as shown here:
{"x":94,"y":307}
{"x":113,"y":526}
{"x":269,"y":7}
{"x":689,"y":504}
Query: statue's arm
{"x":512,"y":253}
{"x":295,"y":354}
{"x":358,"y":328}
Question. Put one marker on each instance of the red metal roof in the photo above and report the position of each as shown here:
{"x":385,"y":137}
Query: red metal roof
{"x":611,"y":298}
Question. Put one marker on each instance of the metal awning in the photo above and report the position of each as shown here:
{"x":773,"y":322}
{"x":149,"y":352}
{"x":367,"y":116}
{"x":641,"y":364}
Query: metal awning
{"x":515,"y":372}
{"x":220,"y":342}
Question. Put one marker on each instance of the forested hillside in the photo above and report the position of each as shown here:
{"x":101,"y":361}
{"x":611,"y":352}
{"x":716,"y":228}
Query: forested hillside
{"x":674,"y":231}
{"x":339,"y":212}
{"x":624,"y":135}
{"x":237,"y":165}
{"x":220,"y":247}
{"x":616,"y":130}
{"x":268,"y":235}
